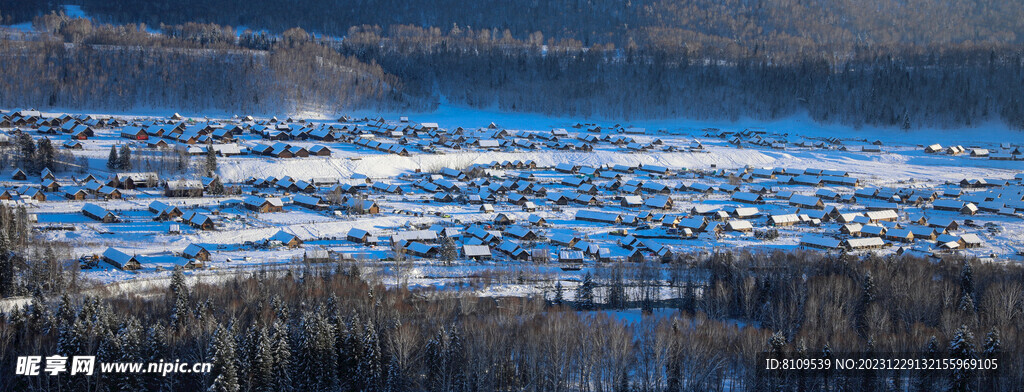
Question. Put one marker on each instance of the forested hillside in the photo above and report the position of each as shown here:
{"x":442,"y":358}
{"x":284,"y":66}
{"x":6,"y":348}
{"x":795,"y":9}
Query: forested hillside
{"x":192,"y":67}
{"x":890,"y":63}
{"x":327,"y":329}
{"x":766,"y":25}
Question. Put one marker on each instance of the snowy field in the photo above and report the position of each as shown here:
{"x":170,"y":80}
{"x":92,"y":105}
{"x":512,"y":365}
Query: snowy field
{"x":518,"y":188}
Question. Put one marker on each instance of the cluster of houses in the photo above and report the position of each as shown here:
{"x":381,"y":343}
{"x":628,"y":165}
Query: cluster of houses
{"x":763,"y":138}
{"x":1006,"y":151}
{"x":518,"y":209}
{"x":96,"y":186}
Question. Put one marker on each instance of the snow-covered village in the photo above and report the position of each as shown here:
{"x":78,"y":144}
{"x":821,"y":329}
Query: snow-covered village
{"x":266,"y":192}
{"x":564,"y":196}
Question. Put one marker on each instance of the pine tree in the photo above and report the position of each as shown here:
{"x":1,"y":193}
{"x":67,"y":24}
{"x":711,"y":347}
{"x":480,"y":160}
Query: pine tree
{"x":6,"y":266}
{"x":155,"y":350}
{"x":113,"y":162}
{"x":40,"y":319}
{"x":371,"y":364}
{"x":124,"y":158}
{"x":177,"y":285}
{"x":925,"y":380}
{"x":223,"y":349}
{"x":211,"y":160}
{"x":216,"y":187}
{"x":966,"y":304}
{"x":674,"y":366}
{"x":992,"y":350}
{"x":962,"y":347}
{"x":179,"y":311}
{"x":65,"y":310}
{"x":109,"y":350}
{"x":263,"y":366}
{"x":617,"y":289}
{"x":350,"y":351}
{"x":689,"y":295}
{"x":73,"y":339}
{"x":585,"y":293}
{"x":967,"y":283}
{"x":867,"y":296}
{"x":316,"y":360}
{"x":449,"y":252}
{"x":28,"y":153}
{"x":282,"y":354}
{"x":777,"y":346}
{"x":45,"y":154}
{"x":245,"y":350}
{"x":433,"y":353}
{"x":131,"y":349}
{"x":992,"y":347}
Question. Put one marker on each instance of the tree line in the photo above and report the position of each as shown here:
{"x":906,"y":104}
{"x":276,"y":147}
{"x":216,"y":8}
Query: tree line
{"x":198,"y":66}
{"x":767,"y":26}
{"x":338,"y":328}
{"x":898,"y":87}
{"x":75,"y":64}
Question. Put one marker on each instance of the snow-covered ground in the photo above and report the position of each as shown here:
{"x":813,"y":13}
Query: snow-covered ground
{"x":237,"y":241}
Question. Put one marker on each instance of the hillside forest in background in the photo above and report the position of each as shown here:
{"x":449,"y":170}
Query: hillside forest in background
{"x":906,"y":64}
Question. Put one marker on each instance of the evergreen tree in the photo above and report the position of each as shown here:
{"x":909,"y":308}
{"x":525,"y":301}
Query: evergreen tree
{"x":962,"y":347}
{"x":223,"y":349}
{"x":967,"y":283}
{"x":6,"y":266}
{"x":435,"y":359}
{"x":966,"y":304}
{"x":216,"y":187}
{"x":211,"y":160}
{"x":444,"y":355}
{"x":178,"y":286}
{"x":73,"y":339}
{"x":282,"y":354}
{"x":689,"y":295}
{"x":867,"y":296}
{"x":179,"y":311}
{"x":155,"y":350}
{"x":65,"y":310}
{"x":45,"y":154}
{"x":316,"y":360}
{"x":131,"y":335}
{"x":617,"y":289}
{"x":40,"y":319}
{"x":109,"y":350}
{"x":449,"y":252}
{"x":826,"y":376}
{"x":263,"y":366}
{"x":350,"y":351}
{"x":777,"y":344}
{"x":456,"y":357}
{"x":991,"y":349}
{"x":585,"y":293}
{"x":113,"y":162}
{"x":674,"y":366}
{"x":245,"y":350}
{"x":27,"y":156}
{"x":124,"y":158}
{"x":371,"y":363}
